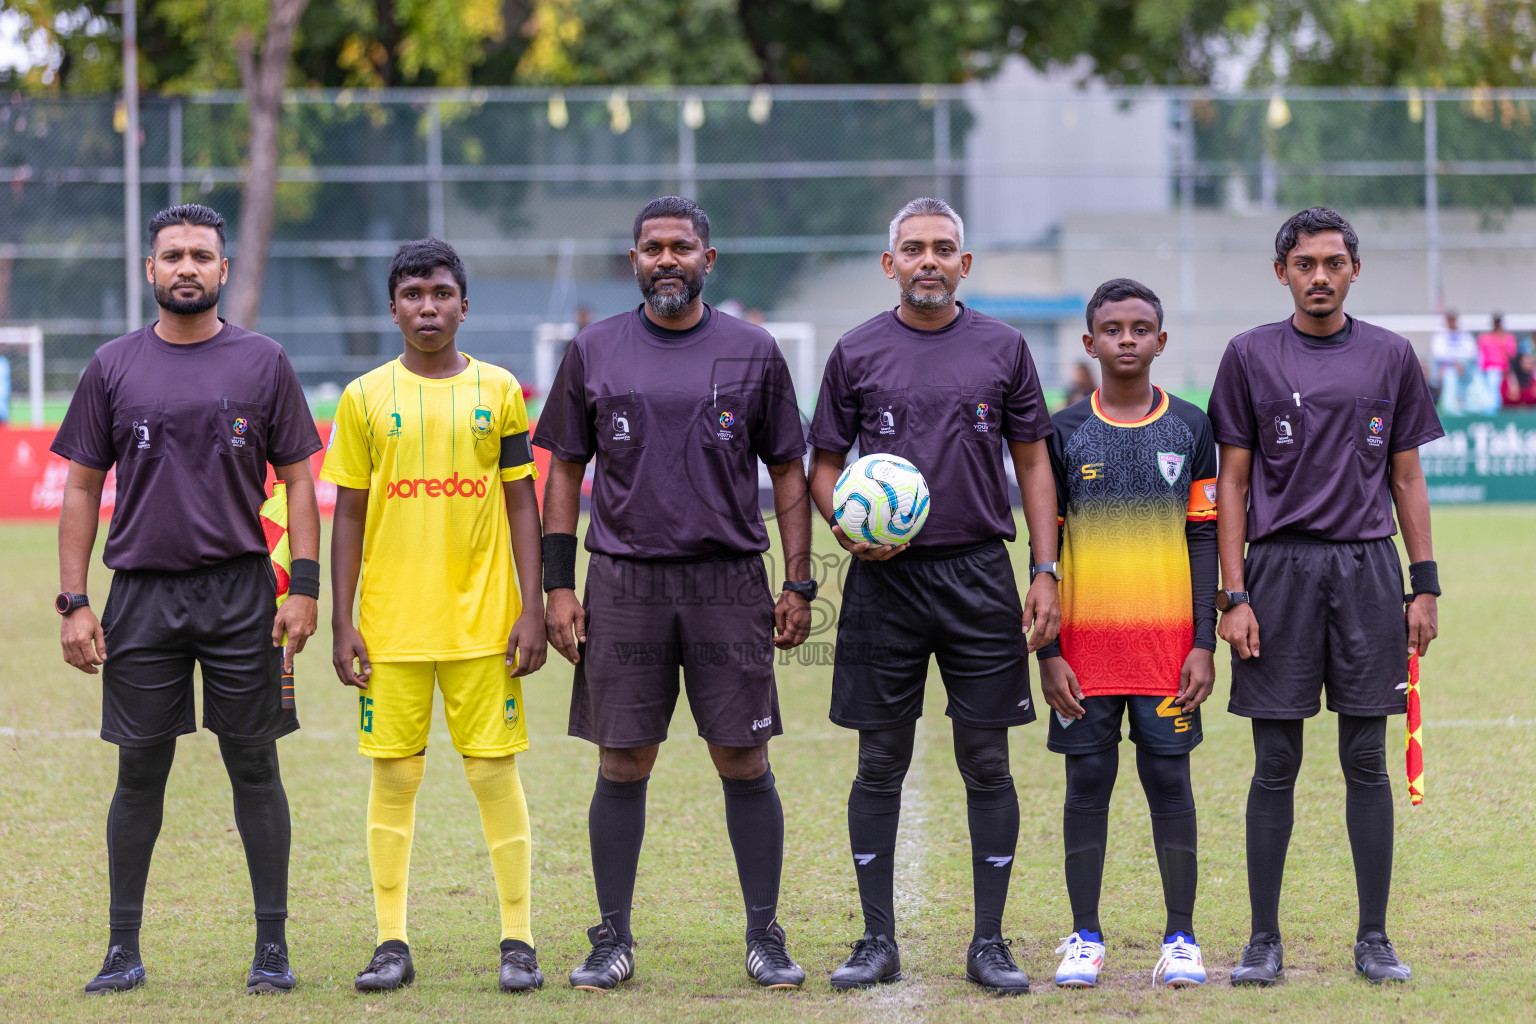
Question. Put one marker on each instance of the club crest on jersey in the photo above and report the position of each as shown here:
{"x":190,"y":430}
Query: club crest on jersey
{"x":480,"y":422}
{"x":511,"y":712}
{"x":1170,"y":464}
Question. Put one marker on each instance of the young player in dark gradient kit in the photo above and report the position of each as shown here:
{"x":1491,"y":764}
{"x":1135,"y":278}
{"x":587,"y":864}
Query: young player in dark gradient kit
{"x":191,"y":409}
{"x":678,"y":402}
{"x":950,"y":390}
{"x":435,"y":504}
{"x":1319,"y":419}
{"x":1136,"y":480}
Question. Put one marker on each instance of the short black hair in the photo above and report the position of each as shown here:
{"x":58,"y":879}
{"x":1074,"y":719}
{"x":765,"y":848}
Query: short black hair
{"x":1123,"y":288}
{"x":674,"y":206}
{"x":1314,"y":220}
{"x":188,"y":213}
{"x":421,"y":257}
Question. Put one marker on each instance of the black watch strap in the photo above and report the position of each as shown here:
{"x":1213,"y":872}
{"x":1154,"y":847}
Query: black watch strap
{"x":67,"y":602}
{"x":805,"y":588}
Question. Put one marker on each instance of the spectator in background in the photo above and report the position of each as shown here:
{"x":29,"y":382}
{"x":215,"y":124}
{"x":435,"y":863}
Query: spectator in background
{"x":1496,"y":350}
{"x":1082,"y":384}
{"x":1520,"y":383}
{"x":1453,"y":353}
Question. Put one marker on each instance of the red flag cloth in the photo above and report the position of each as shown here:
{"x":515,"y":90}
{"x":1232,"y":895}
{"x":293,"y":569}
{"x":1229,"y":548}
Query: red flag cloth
{"x":1415,"y":733}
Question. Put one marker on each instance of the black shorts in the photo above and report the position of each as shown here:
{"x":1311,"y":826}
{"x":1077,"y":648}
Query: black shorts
{"x":1330,"y":618}
{"x":157,"y":624}
{"x":961,"y":607}
{"x":648,"y":619}
{"x":1158,"y":726}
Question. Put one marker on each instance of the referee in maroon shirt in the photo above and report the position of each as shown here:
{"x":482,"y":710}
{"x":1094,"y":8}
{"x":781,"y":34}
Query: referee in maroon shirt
{"x":190,"y":409}
{"x":1320,"y":418}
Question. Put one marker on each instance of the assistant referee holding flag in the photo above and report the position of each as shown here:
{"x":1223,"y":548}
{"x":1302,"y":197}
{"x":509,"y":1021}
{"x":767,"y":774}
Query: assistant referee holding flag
{"x":1320,"y":418}
{"x":191,"y":409}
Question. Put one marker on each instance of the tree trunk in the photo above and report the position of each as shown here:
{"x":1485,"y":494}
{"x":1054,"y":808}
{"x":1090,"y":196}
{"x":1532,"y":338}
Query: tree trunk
{"x":264,"y":78}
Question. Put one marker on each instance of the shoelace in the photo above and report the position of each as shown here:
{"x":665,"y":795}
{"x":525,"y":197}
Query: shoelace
{"x":383,"y":960}
{"x":270,"y":959}
{"x":1255,"y":955}
{"x":1180,"y":952}
{"x":119,"y":960}
{"x":522,"y":958}
{"x":771,"y":949}
{"x":604,"y":952}
{"x":995,"y":954}
{"x":1380,"y":953}
{"x":865,"y":952}
{"x":1076,"y":947}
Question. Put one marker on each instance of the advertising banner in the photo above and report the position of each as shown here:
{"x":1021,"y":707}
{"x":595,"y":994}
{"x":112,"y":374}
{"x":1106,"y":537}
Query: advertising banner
{"x":1482,"y":458}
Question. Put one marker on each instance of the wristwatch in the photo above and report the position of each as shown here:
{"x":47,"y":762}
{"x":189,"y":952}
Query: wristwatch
{"x":1226,"y":600}
{"x":67,"y":602}
{"x":805,"y":588}
{"x":1054,"y":568}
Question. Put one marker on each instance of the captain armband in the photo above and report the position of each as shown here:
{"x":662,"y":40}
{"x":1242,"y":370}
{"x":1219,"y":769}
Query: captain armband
{"x":516,"y":450}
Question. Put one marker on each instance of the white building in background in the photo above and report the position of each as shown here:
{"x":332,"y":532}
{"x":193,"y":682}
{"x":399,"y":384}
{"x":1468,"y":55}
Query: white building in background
{"x":1043,"y":147}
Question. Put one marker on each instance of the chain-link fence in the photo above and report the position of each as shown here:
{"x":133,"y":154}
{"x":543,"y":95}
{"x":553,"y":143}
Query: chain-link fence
{"x":1061,"y":187}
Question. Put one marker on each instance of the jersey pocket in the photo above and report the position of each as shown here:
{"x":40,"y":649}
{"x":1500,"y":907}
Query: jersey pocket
{"x":1282,"y":427}
{"x":620,"y":422}
{"x":1373,"y":426}
{"x":241,"y":428}
{"x":722,"y":423}
{"x":883,"y":416}
{"x":981,"y":414}
{"x":138,"y":432}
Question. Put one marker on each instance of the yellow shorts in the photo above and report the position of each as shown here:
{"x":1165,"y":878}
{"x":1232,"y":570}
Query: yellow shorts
{"x":483,"y":704}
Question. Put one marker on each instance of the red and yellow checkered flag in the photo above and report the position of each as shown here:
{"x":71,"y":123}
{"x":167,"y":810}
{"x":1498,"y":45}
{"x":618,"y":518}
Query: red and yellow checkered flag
{"x":274,"y":525}
{"x":1415,"y":732}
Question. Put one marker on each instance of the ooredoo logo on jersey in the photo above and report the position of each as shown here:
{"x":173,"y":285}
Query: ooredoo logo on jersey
{"x":448,"y":487}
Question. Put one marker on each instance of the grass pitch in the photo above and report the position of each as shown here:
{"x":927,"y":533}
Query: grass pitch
{"x":1463,"y":911}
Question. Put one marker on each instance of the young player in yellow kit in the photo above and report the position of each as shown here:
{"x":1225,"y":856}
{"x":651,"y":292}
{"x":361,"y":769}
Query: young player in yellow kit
{"x":417,"y":451}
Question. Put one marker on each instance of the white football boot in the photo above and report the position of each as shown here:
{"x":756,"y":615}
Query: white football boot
{"x":1080,"y":966}
{"x":1180,"y":965}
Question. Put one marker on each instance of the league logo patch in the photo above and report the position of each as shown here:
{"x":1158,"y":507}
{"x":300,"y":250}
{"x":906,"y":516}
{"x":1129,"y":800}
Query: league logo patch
{"x":1170,"y":464}
{"x":480,"y":424}
{"x":1375,"y":424}
{"x":887,"y":420}
{"x":1283,"y":432}
{"x":141,"y":433}
{"x":511,"y":712}
{"x":394,"y":429}
{"x":620,"y":426}
{"x":240,"y":424}
{"x":981,"y":411}
{"x":727,"y":418}
{"x":237,"y":439}
{"x":981,"y":425}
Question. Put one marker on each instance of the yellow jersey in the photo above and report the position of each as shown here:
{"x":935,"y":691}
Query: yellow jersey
{"x":438,"y":581}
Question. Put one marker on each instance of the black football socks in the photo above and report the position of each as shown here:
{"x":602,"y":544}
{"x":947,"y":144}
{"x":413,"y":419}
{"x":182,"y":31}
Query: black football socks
{"x":133,"y":825}
{"x":754,"y":819}
{"x":1271,"y":813}
{"x":261,"y":814}
{"x":1171,"y":801}
{"x":616,"y":830}
{"x":992,"y":812}
{"x":872,"y":821}
{"x":1085,"y":831}
{"x":1368,"y":815}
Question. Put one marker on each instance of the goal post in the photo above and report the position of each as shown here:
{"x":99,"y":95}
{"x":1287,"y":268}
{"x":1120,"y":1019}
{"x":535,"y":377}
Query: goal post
{"x":30,"y":340}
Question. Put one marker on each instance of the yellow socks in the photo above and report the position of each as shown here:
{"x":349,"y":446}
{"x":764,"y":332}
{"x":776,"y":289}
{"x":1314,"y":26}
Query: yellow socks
{"x":391,"y":823}
{"x":504,"y":817}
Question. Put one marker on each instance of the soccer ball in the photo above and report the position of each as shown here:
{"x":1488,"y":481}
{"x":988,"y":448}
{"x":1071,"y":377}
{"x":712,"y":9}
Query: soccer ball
{"x":881,"y":499}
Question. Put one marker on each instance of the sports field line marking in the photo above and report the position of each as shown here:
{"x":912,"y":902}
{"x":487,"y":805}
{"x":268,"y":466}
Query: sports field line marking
{"x":906,"y":1001}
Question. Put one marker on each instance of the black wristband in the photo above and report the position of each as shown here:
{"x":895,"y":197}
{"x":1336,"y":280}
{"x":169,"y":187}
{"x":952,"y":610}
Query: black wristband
{"x":559,"y":561}
{"x":304,"y":578}
{"x":1424,"y":578}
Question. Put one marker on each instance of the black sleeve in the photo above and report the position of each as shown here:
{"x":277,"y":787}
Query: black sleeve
{"x":1204,"y":571}
{"x":1200,"y":534}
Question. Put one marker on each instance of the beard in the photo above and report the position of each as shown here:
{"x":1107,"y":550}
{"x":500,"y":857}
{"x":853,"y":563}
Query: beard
{"x":928,"y":300}
{"x":672,"y":303}
{"x":165,"y":298}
